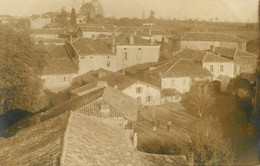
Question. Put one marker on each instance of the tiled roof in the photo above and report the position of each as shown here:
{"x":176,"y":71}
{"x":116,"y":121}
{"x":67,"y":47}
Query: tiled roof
{"x":226,"y":52}
{"x":240,"y":53}
{"x":192,"y":54}
{"x":120,"y":81}
{"x":139,"y":68}
{"x":92,"y":75}
{"x":85,"y":46}
{"x":40,"y":144}
{"x":210,"y":57}
{"x":124,"y":39}
{"x":94,"y":29}
{"x":181,"y":68}
{"x":186,"y":68}
{"x":98,"y":141}
{"x":207,"y":36}
{"x":59,"y":61}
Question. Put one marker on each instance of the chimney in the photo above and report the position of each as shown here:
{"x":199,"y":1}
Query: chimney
{"x":113,"y":47}
{"x":132,"y":40}
{"x":212,"y":49}
{"x":123,"y":72}
{"x":151,"y":40}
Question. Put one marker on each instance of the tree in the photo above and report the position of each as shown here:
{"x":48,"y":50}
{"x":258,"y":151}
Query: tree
{"x":21,"y":63}
{"x":73,"y":19}
{"x":62,"y":17}
{"x":209,"y":145}
{"x":200,"y":97}
{"x":151,"y":16}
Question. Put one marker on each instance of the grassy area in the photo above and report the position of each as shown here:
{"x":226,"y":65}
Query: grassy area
{"x":178,"y":133}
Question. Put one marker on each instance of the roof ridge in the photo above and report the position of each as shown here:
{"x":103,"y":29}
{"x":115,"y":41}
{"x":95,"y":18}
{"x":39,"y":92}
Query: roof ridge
{"x":65,"y":140}
{"x":170,"y":68}
{"x":208,"y":53}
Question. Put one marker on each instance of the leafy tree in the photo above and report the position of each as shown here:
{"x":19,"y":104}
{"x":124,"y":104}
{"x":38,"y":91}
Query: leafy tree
{"x":199,"y":97}
{"x":209,"y":145}
{"x":73,"y":19}
{"x":62,"y":17}
{"x":21,"y":63}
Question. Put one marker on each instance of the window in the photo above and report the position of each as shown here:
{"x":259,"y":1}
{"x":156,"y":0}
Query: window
{"x":93,"y":36}
{"x":139,"y":90}
{"x":139,"y":99}
{"x":108,"y":63}
{"x":64,"y":78}
{"x":82,"y":57}
{"x":139,"y":48}
{"x":184,"y":81}
{"x":149,"y":99}
{"x":173,"y":82}
{"x":125,"y":55}
{"x":124,"y":48}
{"x":221,"y":68}
{"x":211,"y":68}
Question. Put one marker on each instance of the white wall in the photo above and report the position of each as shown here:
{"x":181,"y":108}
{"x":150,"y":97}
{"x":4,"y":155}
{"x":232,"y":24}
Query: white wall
{"x":146,"y":91}
{"x":228,"y":69}
{"x":94,"y":62}
{"x":181,"y":84}
{"x":55,"y":82}
{"x":136,"y":56}
{"x":205,"y":45}
{"x":45,"y":36}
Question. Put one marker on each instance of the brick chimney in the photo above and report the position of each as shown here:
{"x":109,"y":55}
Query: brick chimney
{"x":132,"y":40}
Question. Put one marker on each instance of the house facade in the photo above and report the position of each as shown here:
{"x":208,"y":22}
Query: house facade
{"x":218,"y":66}
{"x":59,"y":69}
{"x":176,"y":78}
{"x":204,"y":41}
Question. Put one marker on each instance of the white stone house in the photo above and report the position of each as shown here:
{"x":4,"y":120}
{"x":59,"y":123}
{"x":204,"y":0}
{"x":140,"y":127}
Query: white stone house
{"x":207,"y":40}
{"x":59,"y":69}
{"x":177,"y":77}
{"x":146,"y":94}
{"x":218,"y":66}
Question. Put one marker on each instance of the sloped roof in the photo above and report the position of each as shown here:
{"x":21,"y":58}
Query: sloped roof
{"x":115,"y":79}
{"x":210,"y":57}
{"x":59,"y":61}
{"x":124,"y":40}
{"x":159,"y":70}
{"x":240,"y":53}
{"x":92,"y":75}
{"x":186,"y":68}
{"x":208,"y":36}
{"x":104,"y":142}
{"x":181,"y":68}
{"x":192,"y":54}
{"x":41,"y":144}
{"x":74,"y":139}
{"x":85,"y":46}
{"x":142,"y":67}
{"x":226,"y":52}
{"x":94,"y":29}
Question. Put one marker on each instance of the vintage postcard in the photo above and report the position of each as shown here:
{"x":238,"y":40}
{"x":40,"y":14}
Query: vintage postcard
{"x":129,"y":82}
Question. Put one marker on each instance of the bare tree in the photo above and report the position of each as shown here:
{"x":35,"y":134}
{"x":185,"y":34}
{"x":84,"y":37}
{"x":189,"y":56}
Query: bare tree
{"x":209,"y":145}
{"x":200,"y":97}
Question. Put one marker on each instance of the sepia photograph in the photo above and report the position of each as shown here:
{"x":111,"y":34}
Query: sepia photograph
{"x":129,"y":83}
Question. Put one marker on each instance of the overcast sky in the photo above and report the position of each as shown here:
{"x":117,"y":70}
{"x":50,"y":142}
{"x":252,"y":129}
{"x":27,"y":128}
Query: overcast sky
{"x":224,"y":10}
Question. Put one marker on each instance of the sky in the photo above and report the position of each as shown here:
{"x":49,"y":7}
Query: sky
{"x":223,"y":10}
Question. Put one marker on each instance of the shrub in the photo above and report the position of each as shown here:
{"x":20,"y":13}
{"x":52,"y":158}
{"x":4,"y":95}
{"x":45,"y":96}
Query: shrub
{"x":157,"y":147}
